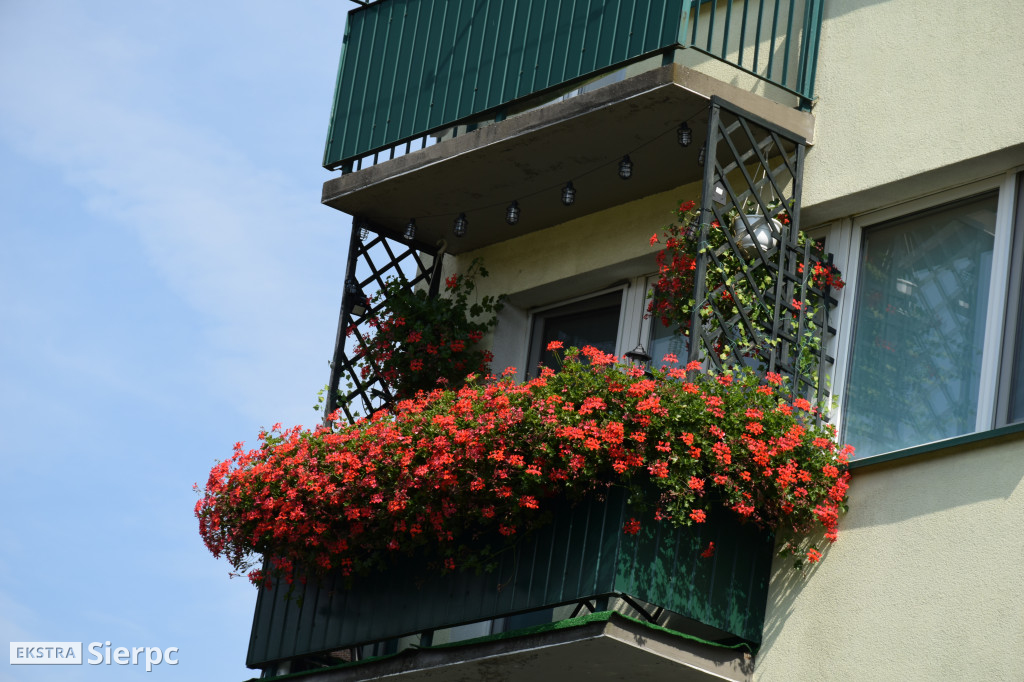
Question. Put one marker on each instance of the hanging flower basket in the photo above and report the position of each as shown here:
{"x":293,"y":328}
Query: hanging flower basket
{"x":455,"y":477}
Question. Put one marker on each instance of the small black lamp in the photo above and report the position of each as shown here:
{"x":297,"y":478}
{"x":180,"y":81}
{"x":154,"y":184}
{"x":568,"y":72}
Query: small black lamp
{"x":568,"y":194}
{"x":460,"y":225}
{"x":626,"y":168}
{"x":684,"y":134}
{"x":357,"y":298}
{"x":410,"y":229}
{"x":512,"y":213}
{"x":638,"y":355}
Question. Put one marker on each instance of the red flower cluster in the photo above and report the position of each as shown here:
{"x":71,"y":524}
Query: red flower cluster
{"x":824,"y":275}
{"x":734,"y":281}
{"x":420,"y":342}
{"x":460,"y":473}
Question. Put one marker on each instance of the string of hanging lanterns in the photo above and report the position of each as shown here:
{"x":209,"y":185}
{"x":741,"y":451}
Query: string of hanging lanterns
{"x":513,"y":212}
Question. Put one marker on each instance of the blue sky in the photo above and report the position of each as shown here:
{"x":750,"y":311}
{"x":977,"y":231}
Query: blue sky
{"x":169,"y":283}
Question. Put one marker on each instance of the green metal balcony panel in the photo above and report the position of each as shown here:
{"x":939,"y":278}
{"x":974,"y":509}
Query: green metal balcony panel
{"x":410,"y":66}
{"x":582,"y":555}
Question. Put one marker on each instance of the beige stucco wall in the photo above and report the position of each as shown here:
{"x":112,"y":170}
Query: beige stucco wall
{"x":906,"y":87}
{"x":570,"y":260}
{"x":926,"y":581}
{"x":580,"y":255}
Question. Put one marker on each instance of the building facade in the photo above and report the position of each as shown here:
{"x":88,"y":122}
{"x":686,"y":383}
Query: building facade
{"x":893,"y":129}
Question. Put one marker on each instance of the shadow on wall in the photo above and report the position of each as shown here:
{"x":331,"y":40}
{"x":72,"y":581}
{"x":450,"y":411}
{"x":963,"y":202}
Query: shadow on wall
{"x":907,"y":517}
{"x":904,"y":489}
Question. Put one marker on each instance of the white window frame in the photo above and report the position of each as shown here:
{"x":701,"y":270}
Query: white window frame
{"x":845,"y":238}
{"x":1013,"y":331}
{"x":635,"y":326}
{"x":539,"y":311}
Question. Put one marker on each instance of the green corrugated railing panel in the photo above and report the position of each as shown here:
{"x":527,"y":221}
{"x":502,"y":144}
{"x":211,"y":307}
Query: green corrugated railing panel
{"x":410,"y":66}
{"x":583,"y":554}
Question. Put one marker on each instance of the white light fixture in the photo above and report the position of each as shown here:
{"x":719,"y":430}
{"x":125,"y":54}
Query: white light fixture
{"x":764,"y":233}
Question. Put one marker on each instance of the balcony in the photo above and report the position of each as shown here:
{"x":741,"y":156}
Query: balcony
{"x":411,"y":69}
{"x":465,"y":134}
{"x":554,"y":582}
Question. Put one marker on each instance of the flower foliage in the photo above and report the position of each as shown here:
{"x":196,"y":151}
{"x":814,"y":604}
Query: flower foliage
{"x":736,"y":280}
{"x":420,"y":341}
{"x":453,"y":476}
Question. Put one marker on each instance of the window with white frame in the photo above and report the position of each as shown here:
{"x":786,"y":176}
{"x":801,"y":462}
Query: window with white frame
{"x":588,"y":321}
{"x":614,"y":321}
{"x":932,"y":348}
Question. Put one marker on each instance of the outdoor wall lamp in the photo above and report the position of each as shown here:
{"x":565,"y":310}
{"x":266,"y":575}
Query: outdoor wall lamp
{"x":638,"y":355}
{"x":357,"y":299}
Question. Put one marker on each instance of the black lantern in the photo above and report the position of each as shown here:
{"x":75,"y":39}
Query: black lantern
{"x":685,"y":135}
{"x":357,"y":299}
{"x":626,"y":168}
{"x":703,"y":154}
{"x":638,"y":355}
{"x":568,"y":194}
{"x":512,"y":213}
{"x":364,"y":229}
{"x":410,"y":229}
{"x":460,"y":225}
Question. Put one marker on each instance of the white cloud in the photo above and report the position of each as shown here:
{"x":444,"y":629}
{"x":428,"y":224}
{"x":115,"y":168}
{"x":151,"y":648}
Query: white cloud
{"x":235,"y":233}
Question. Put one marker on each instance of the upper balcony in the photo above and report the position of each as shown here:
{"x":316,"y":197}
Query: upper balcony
{"x":516,"y":98}
{"x":416,"y":68}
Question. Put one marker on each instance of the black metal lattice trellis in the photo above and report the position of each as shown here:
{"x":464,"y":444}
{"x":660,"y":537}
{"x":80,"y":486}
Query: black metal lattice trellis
{"x":374,"y":258}
{"x":769,"y":313}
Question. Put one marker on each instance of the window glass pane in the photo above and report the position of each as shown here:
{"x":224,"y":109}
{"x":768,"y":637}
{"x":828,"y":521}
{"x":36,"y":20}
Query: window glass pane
{"x":664,"y":340}
{"x":593,"y":322}
{"x":920,"y":323}
{"x":1017,"y":375}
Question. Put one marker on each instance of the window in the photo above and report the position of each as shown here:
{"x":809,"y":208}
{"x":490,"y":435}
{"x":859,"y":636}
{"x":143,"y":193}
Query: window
{"x":918,"y":338}
{"x":1012,"y":381}
{"x":614,"y":321}
{"x":592,"y":321}
{"x":934,"y":348}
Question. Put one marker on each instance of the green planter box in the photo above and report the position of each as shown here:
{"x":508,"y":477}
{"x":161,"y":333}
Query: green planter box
{"x":583,"y":554}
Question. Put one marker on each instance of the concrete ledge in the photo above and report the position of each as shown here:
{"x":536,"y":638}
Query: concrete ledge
{"x":529,"y":158}
{"x":604,"y":646}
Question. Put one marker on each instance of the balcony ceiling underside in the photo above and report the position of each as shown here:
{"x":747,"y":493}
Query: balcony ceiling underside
{"x":530,"y":157}
{"x":617,"y":649}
